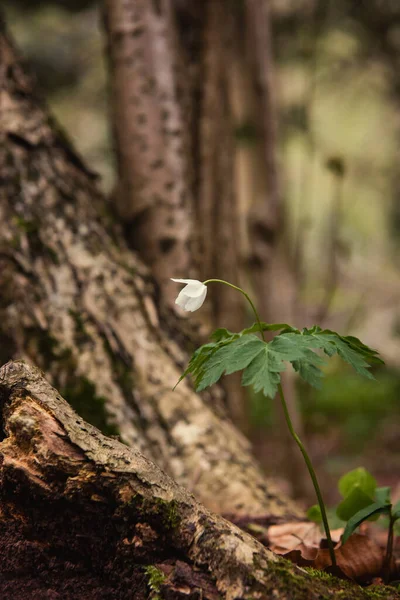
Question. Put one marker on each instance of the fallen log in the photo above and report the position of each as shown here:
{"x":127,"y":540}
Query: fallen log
{"x":84,"y":516}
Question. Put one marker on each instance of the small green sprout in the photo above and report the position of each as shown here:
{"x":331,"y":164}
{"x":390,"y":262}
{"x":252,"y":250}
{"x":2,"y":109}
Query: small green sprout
{"x":363,"y":501}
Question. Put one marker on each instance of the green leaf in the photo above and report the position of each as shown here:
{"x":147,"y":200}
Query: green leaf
{"x":396,"y":511}
{"x":263,"y":373}
{"x":382,"y":495}
{"x":255,"y":328}
{"x":372,"y":510}
{"x":349,"y":348}
{"x":199,"y":358}
{"x":314,"y":514}
{"x":309,"y":372}
{"x":359,"y":478}
{"x":223,"y":334}
{"x":355,"y":501}
{"x":233,"y":357}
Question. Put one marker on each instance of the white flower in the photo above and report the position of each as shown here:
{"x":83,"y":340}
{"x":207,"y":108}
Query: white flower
{"x":192,"y":296}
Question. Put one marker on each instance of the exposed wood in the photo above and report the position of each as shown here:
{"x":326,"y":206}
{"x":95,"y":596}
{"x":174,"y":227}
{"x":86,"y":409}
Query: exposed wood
{"x":83,"y":516}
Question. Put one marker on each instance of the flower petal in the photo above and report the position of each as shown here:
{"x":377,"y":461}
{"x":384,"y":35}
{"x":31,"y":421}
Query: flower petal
{"x":185,"y":280}
{"x":182,"y":299}
{"x":194,"y":290}
{"x":195,"y":303}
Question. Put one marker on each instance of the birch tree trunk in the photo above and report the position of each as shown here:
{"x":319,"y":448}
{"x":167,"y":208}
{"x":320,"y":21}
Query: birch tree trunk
{"x":82,"y":307}
{"x":83,"y":517}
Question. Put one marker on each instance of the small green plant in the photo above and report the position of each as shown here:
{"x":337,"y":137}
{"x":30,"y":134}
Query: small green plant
{"x":263,"y":362}
{"x":363,"y":501}
{"x":155,"y":580}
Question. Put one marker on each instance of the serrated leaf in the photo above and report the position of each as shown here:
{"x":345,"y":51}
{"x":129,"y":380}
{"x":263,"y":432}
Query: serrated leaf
{"x":309,"y":372}
{"x":349,"y":348}
{"x":355,"y":501}
{"x":373,"y":509}
{"x":199,"y":358}
{"x":233,"y":357}
{"x":255,"y":328}
{"x":223,"y":334}
{"x":359,"y":478}
{"x":295,"y":346}
{"x":263,"y":372}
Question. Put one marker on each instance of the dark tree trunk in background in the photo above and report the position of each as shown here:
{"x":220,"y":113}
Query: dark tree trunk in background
{"x":171,"y":93}
{"x":273,"y":273}
{"x":78,"y":304}
{"x":84,"y":517}
{"x":151,"y":120}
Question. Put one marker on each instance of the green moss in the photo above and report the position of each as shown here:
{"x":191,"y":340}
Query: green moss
{"x":80,"y":392}
{"x":288,"y":578}
{"x":26,"y":225}
{"x":122,"y":372}
{"x":79,"y":322}
{"x":316,"y":573}
{"x":155,"y":580}
{"x":161,"y":509}
{"x":81,"y":395}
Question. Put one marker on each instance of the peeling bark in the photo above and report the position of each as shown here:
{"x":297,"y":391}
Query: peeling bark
{"x":84,"y":516}
{"x":82,"y":307}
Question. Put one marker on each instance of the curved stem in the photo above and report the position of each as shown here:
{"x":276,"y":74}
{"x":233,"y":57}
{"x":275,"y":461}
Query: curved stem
{"x":235,"y":287}
{"x":312,"y":475}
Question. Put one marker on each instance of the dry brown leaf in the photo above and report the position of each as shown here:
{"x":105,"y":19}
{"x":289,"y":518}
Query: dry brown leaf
{"x":290,"y":536}
{"x":360,"y":559}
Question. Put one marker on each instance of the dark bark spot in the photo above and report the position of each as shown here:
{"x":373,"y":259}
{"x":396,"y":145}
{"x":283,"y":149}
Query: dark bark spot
{"x":141,"y":119}
{"x":137,"y":32}
{"x":166,"y":244}
{"x":157,"y":164}
{"x":157,"y":7}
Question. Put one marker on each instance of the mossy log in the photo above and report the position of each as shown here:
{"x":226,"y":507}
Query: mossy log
{"x":84,"y":516}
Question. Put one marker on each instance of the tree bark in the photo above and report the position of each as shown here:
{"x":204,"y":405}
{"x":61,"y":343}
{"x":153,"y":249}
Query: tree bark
{"x":82,"y":307}
{"x":270,"y":261}
{"x":151,"y":113}
{"x":83,"y":516}
{"x":216,"y":205}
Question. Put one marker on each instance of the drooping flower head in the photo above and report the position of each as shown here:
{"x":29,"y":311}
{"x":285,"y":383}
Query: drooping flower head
{"x":192,"y":296}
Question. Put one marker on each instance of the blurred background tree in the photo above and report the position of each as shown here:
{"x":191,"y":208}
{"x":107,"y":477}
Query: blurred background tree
{"x":327,"y":227}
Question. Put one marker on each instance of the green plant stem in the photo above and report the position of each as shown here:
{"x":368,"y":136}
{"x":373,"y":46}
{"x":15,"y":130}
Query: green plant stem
{"x":235,"y":287}
{"x":312,"y":475}
{"x":389,"y":550}
{"x":290,"y":425}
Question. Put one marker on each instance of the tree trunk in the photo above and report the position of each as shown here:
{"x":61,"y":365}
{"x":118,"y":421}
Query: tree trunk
{"x":270,"y":261}
{"x":151,"y":112}
{"x":82,"y":307}
{"x":216,"y":205}
{"x":83,"y":517}
{"x":171,"y":86}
